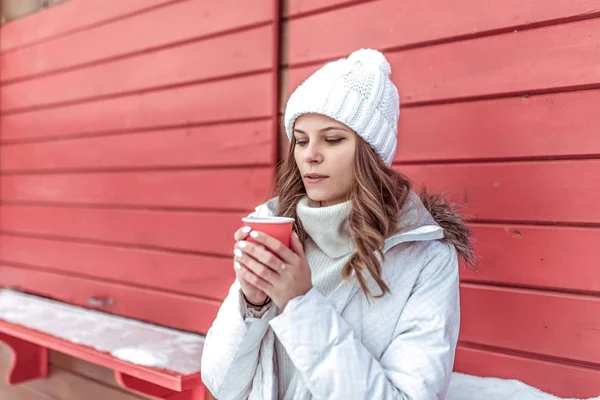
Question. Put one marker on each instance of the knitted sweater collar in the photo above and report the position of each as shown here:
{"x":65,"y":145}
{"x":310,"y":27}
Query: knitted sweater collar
{"x":327,"y":227}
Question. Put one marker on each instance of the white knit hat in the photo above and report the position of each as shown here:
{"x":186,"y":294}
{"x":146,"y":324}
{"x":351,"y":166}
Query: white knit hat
{"x":356,"y":91}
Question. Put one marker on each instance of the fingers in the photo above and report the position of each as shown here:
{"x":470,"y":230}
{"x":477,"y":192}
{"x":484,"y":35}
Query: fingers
{"x":276,"y":247}
{"x":247,"y":275}
{"x":258,"y":268}
{"x":242,"y":233}
{"x":261,"y":254}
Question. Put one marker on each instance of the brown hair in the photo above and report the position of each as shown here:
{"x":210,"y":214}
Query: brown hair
{"x":377,"y":196}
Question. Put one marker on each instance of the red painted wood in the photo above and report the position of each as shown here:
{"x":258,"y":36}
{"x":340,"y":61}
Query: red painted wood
{"x":177,"y":311}
{"x":559,"y":56}
{"x":538,"y":256}
{"x":247,"y":97}
{"x":539,"y":126}
{"x":563,"y":380}
{"x":70,"y":16}
{"x":146,"y":388}
{"x":552,"y":324}
{"x":509,"y":255}
{"x":298,"y":7}
{"x":400,"y":23}
{"x":560,"y":191}
{"x":204,"y":232}
{"x":163,"y":378}
{"x":240,"y":52}
{"x":248,"y":143}
{"x":181,"y":21}
{"x":198,"y":189}
{"x":29,"y":361}
{"x":194,"y":275}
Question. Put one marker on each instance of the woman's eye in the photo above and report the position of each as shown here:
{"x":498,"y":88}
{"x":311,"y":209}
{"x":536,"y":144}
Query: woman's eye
{"x":335,"y":140}
{"x":301,"y":143}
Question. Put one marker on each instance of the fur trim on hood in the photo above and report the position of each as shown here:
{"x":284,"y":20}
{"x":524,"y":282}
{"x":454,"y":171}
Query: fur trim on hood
{"x":456,"y":232}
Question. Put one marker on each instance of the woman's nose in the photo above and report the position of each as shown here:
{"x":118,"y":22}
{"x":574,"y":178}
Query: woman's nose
{"x":313,"y":154}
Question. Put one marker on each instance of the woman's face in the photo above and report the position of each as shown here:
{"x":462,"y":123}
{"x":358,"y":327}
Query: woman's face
{"x":324,"y":154}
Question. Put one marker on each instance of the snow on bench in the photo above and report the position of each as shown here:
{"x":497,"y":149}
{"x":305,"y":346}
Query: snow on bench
{"x":146,"y":359}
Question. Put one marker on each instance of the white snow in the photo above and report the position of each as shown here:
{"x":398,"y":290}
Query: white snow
{"x":127,"y":339}
{"x":468,"y":387}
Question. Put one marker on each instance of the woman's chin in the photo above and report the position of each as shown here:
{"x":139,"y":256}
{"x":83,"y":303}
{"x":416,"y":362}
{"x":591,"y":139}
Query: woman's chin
{"x":320,"y":196}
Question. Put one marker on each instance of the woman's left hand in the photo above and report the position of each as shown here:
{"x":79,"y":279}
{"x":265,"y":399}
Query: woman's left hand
{"x":282,"y":273}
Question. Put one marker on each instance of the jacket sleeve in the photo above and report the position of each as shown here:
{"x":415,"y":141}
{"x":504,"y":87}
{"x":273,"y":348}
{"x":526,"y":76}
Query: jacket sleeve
{"x":418,"y":362}
{"x":231,"y":348}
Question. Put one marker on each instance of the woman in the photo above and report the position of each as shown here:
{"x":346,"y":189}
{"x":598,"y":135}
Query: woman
{"x":365,"y":303}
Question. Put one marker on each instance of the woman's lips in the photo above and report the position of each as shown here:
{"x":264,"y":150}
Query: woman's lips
{"x":314,"y":180}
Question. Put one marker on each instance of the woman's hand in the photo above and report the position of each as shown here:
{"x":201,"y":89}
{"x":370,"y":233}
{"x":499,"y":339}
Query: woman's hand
{"x":252,"y":293}
{"x":281,"y":273}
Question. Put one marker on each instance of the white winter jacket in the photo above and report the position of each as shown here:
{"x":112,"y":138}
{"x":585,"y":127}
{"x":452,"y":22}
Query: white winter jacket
{"x":400,"y":346}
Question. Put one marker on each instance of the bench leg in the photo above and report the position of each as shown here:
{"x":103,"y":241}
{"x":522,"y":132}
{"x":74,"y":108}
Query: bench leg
{"x":150,"y":389}
{"x":30,"y":361}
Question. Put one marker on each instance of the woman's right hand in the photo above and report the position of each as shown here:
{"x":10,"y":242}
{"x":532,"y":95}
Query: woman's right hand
{"x":252,"y":293}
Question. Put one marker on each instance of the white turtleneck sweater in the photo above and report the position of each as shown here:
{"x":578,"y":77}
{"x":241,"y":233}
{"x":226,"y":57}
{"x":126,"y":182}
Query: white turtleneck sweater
{"x":327,"y":250}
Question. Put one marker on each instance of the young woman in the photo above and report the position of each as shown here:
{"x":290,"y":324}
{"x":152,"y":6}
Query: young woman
{"x":365,"y":303}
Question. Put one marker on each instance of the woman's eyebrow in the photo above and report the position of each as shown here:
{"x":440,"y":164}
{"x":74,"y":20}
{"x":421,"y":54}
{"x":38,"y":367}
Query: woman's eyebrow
{"x":326,"y":129}
{"x":334,"y":128}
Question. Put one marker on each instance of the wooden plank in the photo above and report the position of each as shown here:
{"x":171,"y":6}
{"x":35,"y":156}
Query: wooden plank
{"x":247,"y":97}
{"x":177,"y":311}
{"x":20,"y":393}
{"x":248,"y":143}
{"x":239,"y":189}
{"x":184,"y":20}
{"x":557,"y":191}
{"x":537,"y":256}
{"x":299,"y":7}
{"x":70,"y":16}
{"x":204,"y":232}
{"x":556,"y":57}
{"x":65,"y":385}
{"x":194,"y":275}
{"x":563,"y":380}
{"x":551,"y":324}
{"x":400,"y":23}
{"x":557,"y":125}
{"x":236,"y":53}
{"x":83,"y":368}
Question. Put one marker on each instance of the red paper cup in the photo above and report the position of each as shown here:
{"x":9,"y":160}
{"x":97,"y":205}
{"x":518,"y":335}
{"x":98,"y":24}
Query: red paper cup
{"x":278,"y":227}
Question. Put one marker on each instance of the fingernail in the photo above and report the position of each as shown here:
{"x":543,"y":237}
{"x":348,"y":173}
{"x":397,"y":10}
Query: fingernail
{"x":254,"y":234}
{"x":246,"y":229}
{"x":296,"y":236}
{"x":237,"y":265}
{"x":242,"y":244}
{"x":238,"y":253}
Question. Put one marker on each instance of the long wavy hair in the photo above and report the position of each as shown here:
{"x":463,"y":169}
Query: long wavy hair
{"x":377,"y":196}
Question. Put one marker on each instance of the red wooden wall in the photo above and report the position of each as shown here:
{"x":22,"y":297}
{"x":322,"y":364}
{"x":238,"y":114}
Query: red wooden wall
{"x":499,"y":107}
{"x":134,"y":136}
